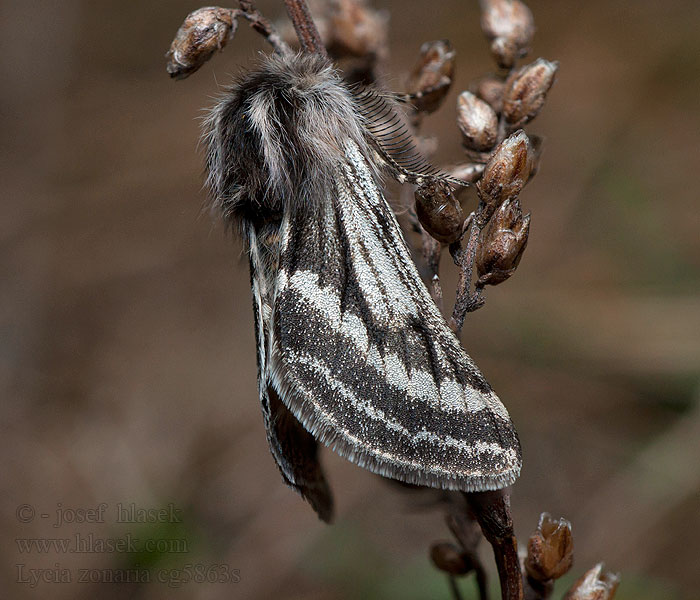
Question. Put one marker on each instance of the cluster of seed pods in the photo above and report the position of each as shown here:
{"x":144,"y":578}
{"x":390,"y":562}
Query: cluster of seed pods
{"x":500,"y":157}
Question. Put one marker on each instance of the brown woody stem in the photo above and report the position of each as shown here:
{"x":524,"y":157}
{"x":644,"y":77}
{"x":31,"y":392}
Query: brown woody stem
{"x":464,"y":528}
{"x":260,"y":24}
{"x":304,"y":26}
{"x":492,"y":511}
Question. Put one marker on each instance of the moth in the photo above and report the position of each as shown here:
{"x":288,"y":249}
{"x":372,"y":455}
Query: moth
{"x":352,"y":352}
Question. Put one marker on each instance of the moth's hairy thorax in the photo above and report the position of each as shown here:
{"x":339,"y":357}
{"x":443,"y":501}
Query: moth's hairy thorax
{"x":276,"y":138}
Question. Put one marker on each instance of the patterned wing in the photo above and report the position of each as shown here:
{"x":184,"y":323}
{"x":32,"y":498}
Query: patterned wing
{"x":360,"y":355}
{"x":294,"y":449}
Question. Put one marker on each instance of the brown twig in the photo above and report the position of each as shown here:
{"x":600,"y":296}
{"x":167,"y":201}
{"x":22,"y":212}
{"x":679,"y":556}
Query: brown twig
{"x":307,"y":33}
{"x":260,"y":24}
{"x":466,"y":531}
{"x":492,"y":512}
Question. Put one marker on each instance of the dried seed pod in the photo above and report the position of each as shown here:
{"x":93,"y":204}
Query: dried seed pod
{"x":204,"y":32}
{"x":506,"y":172}
{"x":448,"y":558}
{"x":594,"y":585}
{"x":502,"y":245}
{"x":468,"y":173}
{"x":432,"y":76}
{"x":526,"y":91}
{"x":490,"y":89}
{"x":550,"y":550}
{"x":439,"y":211}
{"x":477,"y":121}
{"x":509,"y":26}
{"x":355,"y":30}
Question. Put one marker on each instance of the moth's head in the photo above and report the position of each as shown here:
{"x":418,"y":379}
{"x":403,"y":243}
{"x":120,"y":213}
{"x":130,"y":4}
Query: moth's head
{"x":278,"y":134}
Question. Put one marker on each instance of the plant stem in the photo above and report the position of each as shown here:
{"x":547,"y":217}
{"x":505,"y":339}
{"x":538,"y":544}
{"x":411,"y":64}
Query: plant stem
{"x":454,"y":588}
{"x":304,"y":26}
{"x":492,"y":511}
{"x":260,"y":24}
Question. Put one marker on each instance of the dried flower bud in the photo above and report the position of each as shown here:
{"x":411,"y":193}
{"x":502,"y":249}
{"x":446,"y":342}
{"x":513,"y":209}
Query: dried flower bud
{"x":490,"y":89}
{"x":477,"y":121}
{"x":203,"y":32}
{"x":468,"y":173}
{"x":550,"y":550}
{"x":432,"y":77}
{"x":355,"y":29}
{"x":439,"y":211}
{"x":594,"y":586}
{"x":448,"y":558}
{"x":526,"y":91}
{"x":506,"y":172}
{"x":509,"y":25}
{"x":502,"y":245}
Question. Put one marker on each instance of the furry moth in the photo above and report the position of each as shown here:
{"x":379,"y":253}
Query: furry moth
{"x":352,"y":351}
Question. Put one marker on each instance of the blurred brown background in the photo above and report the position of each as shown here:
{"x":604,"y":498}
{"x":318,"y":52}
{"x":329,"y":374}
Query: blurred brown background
{"x":127,"y":352}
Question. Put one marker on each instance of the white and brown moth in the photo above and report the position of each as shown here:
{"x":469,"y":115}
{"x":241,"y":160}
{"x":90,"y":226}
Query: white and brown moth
{"x":352,"y":351}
